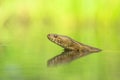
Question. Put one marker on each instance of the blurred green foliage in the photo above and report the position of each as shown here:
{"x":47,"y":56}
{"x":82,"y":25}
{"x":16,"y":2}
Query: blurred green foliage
{"x":25,"y":49}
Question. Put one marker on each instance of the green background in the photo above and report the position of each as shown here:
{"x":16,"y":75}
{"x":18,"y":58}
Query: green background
{"x":25,"y":49}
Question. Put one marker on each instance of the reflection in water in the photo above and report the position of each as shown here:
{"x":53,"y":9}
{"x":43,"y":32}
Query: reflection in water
{"x":13,"y":72}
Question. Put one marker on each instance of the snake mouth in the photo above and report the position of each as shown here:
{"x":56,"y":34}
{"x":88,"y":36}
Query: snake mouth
{"x":53,"y":38}
{"x":50,"y":37}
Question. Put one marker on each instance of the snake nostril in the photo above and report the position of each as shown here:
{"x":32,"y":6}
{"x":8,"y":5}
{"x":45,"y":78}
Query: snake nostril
{"x":48,"y":35}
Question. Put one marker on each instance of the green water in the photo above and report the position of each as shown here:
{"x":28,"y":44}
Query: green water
{"x":25,"y":49}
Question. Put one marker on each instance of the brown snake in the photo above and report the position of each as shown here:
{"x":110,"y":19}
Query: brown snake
{"x":72,"y":49}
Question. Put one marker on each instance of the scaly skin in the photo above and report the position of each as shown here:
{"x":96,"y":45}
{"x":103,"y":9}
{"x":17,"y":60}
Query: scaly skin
{"x":72,"y":49}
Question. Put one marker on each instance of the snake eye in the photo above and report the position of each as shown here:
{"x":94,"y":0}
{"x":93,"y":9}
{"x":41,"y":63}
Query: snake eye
{"x":55,"y":36}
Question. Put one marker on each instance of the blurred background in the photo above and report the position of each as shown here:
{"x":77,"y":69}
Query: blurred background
{"x":25,"y":49}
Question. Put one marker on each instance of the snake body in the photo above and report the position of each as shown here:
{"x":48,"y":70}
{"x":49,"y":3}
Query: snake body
{"x":72,"y":49}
